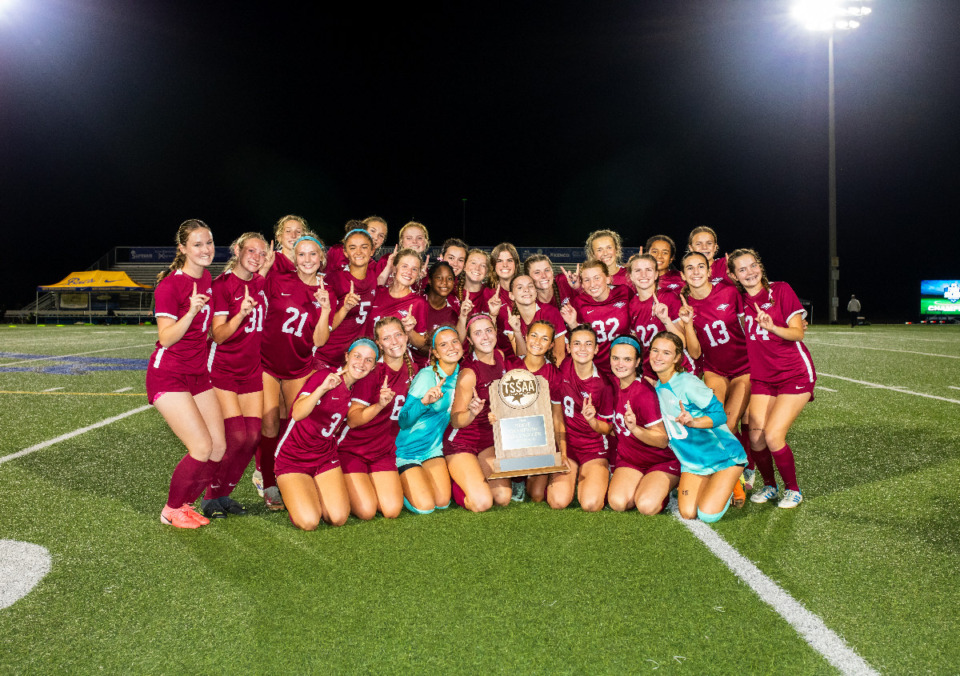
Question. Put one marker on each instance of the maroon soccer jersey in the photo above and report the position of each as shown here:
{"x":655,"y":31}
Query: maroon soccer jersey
{"x":445,"y":316}
{"x":336,"y":259}
{"x":172,"y":300}
{"x":645,"y":325}
{"x":621,"y":278}
{"x":567,"y":292}
{"x":292,"y":315}
{"x":718,"y":272}
{"x":722,"y":342}
{"x":543,"y":312}
{"x":574,"y":390}
{"x":281,"y":264}
{"x":643,"y":400}
{"x":610,"y":319}
{"x":478,"y":435}
{"x":379,"y":436}
{"x":548,"y":371}
{"x":354,"y":324}
{"x":670,"y":281}
{"x":315,"y":437}
{"x":773,"y":359}
{"x":239,"y":355}
{"x":385,"y":305}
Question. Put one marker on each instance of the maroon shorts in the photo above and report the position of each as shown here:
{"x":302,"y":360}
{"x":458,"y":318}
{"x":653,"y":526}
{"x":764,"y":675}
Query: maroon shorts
{"x":237,"y":386}
{"x":792,"y":386}
{"x":357,"y":464}
{"x":314,"y":466}
{"x":469,"y":445}
{"x":666,"y":466}
{"x":581,"y":457}
{"x":160,"y":382}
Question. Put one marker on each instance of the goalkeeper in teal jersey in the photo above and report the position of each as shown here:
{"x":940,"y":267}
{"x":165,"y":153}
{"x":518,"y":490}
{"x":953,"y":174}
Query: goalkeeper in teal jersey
{"x":711,"y":458}
{"x":423,"y":419}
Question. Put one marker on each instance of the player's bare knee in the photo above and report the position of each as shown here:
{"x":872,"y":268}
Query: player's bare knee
{"x":536,"y":494}
{"x":479,"y":503}
{"x":308,"y":523}
{"x":649,"y":506}
{"x":591,"y":504}
{"x":618,"y":503}
{"x":501,"y":496}
{"x":391,"y":511}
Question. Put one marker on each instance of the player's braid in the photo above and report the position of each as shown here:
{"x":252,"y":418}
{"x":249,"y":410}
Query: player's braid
{"x":556,"y":293}
{"x":461,"y":283}
{"x":409,"y":363}
{"x":177,"y":263}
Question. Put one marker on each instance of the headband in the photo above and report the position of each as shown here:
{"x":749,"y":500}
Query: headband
{"x":355,"y":231}
{"x":312,"y":239}
{"x":627,"y":340}
{"x":479,"y":315}
{"x":440,"y":329}
{"x":368,"y":343}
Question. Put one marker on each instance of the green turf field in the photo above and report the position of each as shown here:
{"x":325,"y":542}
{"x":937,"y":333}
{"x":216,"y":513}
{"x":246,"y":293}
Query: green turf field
{"x":873,"y":550}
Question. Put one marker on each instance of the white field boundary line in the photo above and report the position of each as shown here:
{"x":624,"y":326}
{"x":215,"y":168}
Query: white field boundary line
{"x":953,"y":387}
{"x":883,"y":349}
{"x":821,"y":387}
{"x":76,"y":354}
{"x":809,"y":625}
{"x":75,"y":433}
{"x":888,"y":387}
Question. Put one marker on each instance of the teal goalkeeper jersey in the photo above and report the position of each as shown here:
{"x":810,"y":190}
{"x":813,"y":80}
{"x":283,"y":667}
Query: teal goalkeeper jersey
{"x":422,"y":427}
{"x":700,"y":451}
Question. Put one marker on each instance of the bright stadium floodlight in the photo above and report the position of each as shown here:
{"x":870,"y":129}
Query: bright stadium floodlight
{"x":830,"y":16}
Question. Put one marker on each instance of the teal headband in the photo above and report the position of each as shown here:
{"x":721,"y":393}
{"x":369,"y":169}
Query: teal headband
{"x":627,"y":340}
{"x":441,"y":329}
{"x":312,"y":239}
{"x":357,"y":231}
{"x":367,"y":342}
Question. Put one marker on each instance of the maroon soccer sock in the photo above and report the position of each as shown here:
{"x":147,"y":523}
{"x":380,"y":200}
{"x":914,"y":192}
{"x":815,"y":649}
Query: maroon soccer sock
{"x":235,"y":432}
{"x":239,"y":460}
{"x":267,"y":446}
{"x":459,"y":496}
{"x":765,"y":464}
{"x":743,"y":436}
{"x":186,"y":476}
{"x":212,"y":478}
{"x":787,"y":467}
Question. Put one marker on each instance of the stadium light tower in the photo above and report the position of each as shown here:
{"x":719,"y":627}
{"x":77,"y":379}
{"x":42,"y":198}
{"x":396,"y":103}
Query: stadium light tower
{"x":830,"y":16}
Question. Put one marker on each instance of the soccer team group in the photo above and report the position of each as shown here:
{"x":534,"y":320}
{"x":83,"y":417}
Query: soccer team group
{"x":362,"y":386}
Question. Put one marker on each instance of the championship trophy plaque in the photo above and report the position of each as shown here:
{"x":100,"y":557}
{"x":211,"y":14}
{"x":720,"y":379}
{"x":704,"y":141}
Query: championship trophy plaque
{"x":523,"y":434}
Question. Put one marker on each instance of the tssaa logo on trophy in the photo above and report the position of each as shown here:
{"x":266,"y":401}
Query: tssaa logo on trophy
{"x":519,"y":389}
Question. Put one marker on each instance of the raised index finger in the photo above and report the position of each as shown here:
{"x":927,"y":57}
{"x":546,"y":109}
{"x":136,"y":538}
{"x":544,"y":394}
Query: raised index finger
{"x":757,"y":308}
{"x":194,"y":288}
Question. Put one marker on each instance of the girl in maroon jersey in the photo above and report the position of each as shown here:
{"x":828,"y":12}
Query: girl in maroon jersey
{"x":647,"y":470}
{"x":413,"y":236}
{"x":703,"y":240}
{"x":235,"y":371}
{"x":307,"y":464}
{"x":297,"y":320}
{"x":286,"y":232}
{"x":587,"y":399}
{"x":606,"y":246}
{"x":540,"y":362}
{"x":468,"y":441}
{"x":714,"y":336}
{"x":664,"y":251}
{"x":540,"y":269}
{"x":650,"y":312}
{"x":354,"y":284}
{"x":442,"y":308}
{"x":605,"y":308}
{"x":475,"y":290}
{"x":178,"y":383}
{"x":506,"y":264}
{"x":368,"y":447}
{"x":782,"y":376}
{"x":399,"y":299}
{"x":524,"y":310}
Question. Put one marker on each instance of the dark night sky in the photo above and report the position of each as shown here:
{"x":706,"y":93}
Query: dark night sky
{"x":118,"y":120}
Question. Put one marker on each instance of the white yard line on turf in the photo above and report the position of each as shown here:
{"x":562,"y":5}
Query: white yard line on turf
{"x":52,"y":389}
{"x":76,"y":354}
{"x":821,"y":387}
{"x":883,"y":349}
{"x":122,"y":389}
{"x":74,"y":433}
{"x":953,"y":387}
{"x":817,"y":634}
{"x":889,"y":387}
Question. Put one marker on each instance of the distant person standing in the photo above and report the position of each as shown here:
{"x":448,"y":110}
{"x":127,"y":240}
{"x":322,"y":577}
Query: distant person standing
{"x":853,"y":307}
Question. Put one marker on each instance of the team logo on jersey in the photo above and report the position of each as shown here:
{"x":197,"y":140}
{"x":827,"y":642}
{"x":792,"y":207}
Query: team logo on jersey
{"x":316,"y":304}
{"x":619,"y":304}
{"x":584,"y":394}
{"x":766,"y":306}
{"x":722,"y":307}
{"x":519,"y":388}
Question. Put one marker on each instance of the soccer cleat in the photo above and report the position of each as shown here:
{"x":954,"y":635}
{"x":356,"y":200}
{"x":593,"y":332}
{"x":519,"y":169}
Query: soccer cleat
{"x":518,"y":491}
{"x":765,"y":494}
{"x":739,"y":496}
{"x":196,"y":516}
{"x":178,"y":518}
{"x":273,"y":499}
{"x":790,"y":499}
{"x":231,"y":506}
{"x":257,"y":480}
{"x":212,"y":509}
{"x":748,"y":478}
